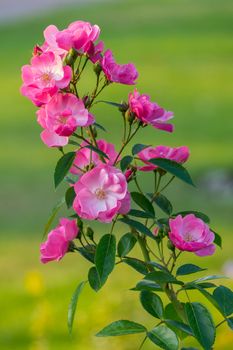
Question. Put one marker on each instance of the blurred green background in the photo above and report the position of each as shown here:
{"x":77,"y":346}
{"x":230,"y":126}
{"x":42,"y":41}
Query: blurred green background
{"x":184,"y":53}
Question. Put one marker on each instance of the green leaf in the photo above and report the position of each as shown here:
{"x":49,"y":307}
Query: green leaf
{"x":70,"y":196}
{"x":163,"y":203}
{"x":52,"y":216}
{"x":158,"y":266}
{"x":63,"y":166}
{"x":143,"y":202}
{"x":201,"y":323}
{"x":152,"y":303}
{"x":224,"y":298}
{"x":138,"y":265}
{"x":179,"y":325}
{"x":189,"y":348}
{"x":93,"y":278}
{"x":187,"y":269}
{"x":170,"y":313}
{"x":138,"y":148}
{"x":217,"y":239}
{"x":119,"y":105}
{"x":164,"y":337}
{"x":72,"y":142}
{"x":173,"y":168}
{"x":88,"y":252}
{"x":121,"y":327}
{"x":140,"y":214}
{"x":204,"y":285}
{"x":99,"y":126}
{"x":208,"y":296}
{"x":125,"y":162}
{"x":73,"y":305}
{"x":97,"y":150}
{"x":126,"y":244}
{"x":209,"y":278}
{"x":162,"y":277}
{"x":105,"y":256}
{"x":147,"y":285}
{"x":198,"y":214}
{"x":137,"y":226}
{"x":230,"y":322}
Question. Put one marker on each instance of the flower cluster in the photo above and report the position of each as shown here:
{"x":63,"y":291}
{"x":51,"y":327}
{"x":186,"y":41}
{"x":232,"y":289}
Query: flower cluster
{"x":99,"y":175}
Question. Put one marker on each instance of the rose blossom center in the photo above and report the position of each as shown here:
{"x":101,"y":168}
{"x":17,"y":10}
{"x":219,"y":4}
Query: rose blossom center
{"x":188,"y":237}
{"x":46,"y":77}
{"x":100,"y":193}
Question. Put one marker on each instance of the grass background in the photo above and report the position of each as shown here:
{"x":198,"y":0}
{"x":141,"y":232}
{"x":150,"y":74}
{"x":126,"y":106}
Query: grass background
{"x":183,"y":51}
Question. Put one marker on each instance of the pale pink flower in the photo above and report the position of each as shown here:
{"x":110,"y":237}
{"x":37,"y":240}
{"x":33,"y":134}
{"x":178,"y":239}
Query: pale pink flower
{"x":60,"y":117}
{"x":118,"y":73}
{"x":149,"y":112}
{"x":178,"y":154}
{"x":43,"y":78}
{"x":58,"y":241}
{"x":79,"y":35}
{"x":155,"y":231}
{"x":50,"y":44}
{"x":99,"y":193}
{"x":191,"y":234}
{"x":83,"y":156}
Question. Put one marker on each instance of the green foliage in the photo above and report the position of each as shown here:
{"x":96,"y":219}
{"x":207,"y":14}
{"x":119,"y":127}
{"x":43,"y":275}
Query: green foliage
{"x":137,"y":226}
{"x":122,"y":327}
{"x":173,"y":168}
{"x":164,"y":337}
{"x":136,"y":264}
{"x":201,"y":323}
{"x":126,"y":244}
{"x":125,"y":162}
{"x":163,"y":203}
{"x":188,"y":269}
{"x":138,"y":148}
{"x":105,"y":257}
{"x":73,"y":305}
{"x":97,"y":150}
{"x":63,"y":166}
{"x":152,"y":303}
{"x":143,"y":202}
{"x":52,"y":216}
{"x":94,"y":279}
{"x":224,"y":298}
{"x":70,"y":196}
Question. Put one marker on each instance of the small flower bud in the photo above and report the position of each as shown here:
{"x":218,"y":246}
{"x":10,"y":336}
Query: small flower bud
{"x":124,"y":107}
{"x":97,"y":69}
{"x":90,"y":233}
{"x":71,"y":57}
{"x":129,"y":116}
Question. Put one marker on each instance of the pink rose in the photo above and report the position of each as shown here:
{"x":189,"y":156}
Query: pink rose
{"x":79,"y":35}
{"x":178,"y":154}
{"x":83,"y":156}
{"x":149,"y":112}
{"x":118,"y":73}
{"x":43,"y":78}
{"x":191,"y":234}
{"x":58,"y":241}
{"x":50,"y":44}
{"x":94,"y":51}
{"x":60,"y":117}
{"x":99,"y":193}
{"x":125,"y":204}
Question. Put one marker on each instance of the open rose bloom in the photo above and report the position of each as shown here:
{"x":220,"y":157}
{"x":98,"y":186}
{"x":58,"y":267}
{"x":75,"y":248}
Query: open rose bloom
{"x":100,"y":193}
{"x":44,"y":77}
{"x":191,"y":234}
{"x":103,"y":181}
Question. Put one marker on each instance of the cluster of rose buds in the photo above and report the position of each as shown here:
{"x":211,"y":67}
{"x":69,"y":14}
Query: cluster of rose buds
{"x":99,"y":176}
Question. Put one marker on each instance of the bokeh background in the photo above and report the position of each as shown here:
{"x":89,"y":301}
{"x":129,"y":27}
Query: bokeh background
{"x":184,"y":52}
